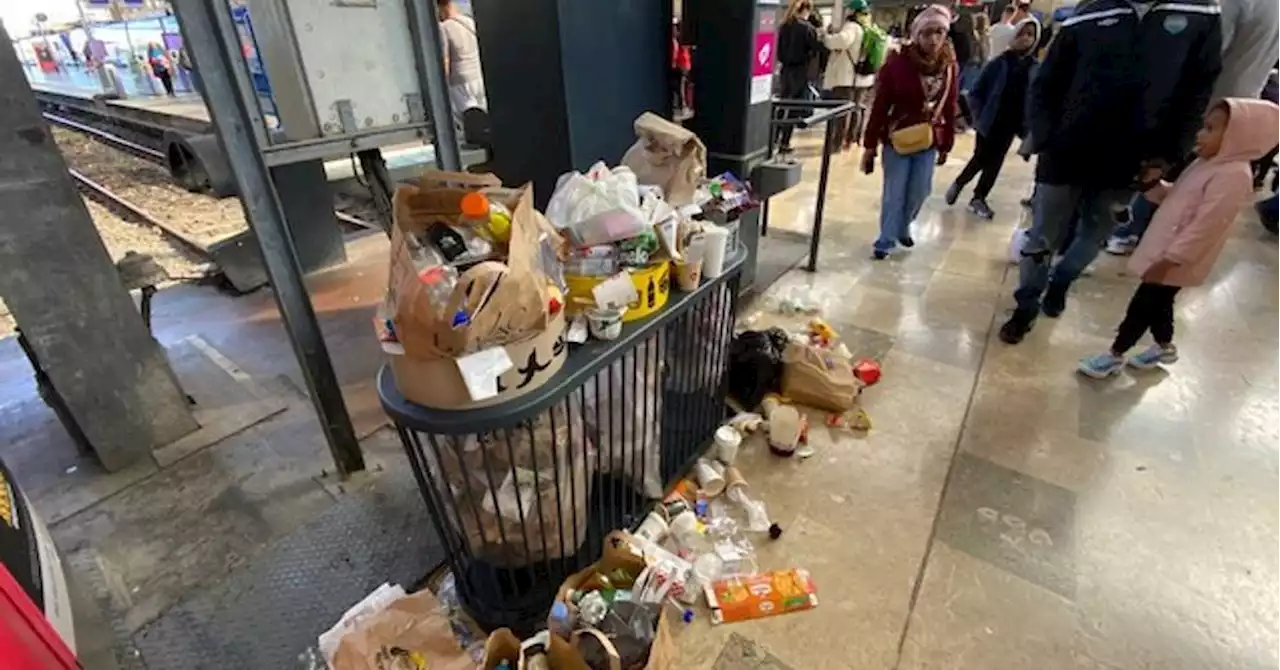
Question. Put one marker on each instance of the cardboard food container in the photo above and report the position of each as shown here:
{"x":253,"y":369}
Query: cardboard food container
{"x":767,"y":594}
{"x":818,"y":378}
{"x":437,"y":382}
{"x":652,"y":282}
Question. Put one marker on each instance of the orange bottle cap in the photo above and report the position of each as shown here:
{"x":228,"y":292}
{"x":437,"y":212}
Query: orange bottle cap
{"x":475,"y":205}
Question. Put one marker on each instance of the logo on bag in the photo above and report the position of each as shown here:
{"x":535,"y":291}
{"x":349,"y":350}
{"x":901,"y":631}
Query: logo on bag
{"x":1175,"y":24}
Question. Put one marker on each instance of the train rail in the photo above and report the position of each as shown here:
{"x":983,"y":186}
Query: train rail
{"x":147,"y":153}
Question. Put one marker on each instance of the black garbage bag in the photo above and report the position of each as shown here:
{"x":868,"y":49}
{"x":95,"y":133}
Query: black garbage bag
{"x":755,"y":365}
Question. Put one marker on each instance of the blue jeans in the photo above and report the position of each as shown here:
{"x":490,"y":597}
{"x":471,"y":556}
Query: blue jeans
{"x":1140,"y":212}
{"x":907,"y":180}
{"x":1053,"y":210}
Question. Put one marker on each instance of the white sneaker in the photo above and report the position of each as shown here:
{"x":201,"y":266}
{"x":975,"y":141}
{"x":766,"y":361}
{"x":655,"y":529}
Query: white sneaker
{"x":1122,"y":246}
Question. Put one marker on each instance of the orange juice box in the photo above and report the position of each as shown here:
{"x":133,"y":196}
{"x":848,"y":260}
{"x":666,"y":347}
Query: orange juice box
{"x":767,"y":594}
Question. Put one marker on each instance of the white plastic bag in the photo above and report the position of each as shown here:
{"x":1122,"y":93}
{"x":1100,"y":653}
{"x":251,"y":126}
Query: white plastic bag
{"x":599,"y":207}
{"x":1017,"y":243}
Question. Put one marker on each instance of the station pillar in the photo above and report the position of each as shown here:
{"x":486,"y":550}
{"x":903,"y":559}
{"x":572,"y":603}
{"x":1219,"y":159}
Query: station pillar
{"x":565,"y":80}
{"x":734,"y":43}
{"x":60,"y":283}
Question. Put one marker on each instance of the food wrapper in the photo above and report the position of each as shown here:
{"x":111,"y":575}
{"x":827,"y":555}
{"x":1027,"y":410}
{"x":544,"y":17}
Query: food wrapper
{"x":767,"y":594}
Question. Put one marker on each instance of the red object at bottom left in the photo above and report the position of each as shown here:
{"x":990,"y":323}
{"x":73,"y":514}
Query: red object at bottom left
{"x":27,"y":640}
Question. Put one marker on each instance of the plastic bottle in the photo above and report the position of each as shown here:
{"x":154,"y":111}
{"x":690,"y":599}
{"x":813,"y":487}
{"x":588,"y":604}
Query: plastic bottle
{"x":491,"y":218}
{"x":560,"y":620}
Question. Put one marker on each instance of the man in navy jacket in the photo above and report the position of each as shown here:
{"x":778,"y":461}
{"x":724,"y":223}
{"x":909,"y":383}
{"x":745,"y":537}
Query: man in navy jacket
{"x":1119,"y":95}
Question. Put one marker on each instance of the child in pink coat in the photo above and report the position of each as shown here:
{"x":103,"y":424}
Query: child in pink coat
{"x":1190,"y":228}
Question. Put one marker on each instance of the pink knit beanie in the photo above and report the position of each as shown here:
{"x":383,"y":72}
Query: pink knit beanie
{"x":933,"y":16}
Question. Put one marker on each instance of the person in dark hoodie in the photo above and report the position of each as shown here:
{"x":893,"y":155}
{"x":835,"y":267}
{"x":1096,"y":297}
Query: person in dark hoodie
{"x":1119,"y":95}
{"x":798,"y":47}
{"x":997,"y":101}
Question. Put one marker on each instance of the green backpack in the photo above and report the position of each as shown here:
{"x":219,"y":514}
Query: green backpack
{"x":875,"y":45}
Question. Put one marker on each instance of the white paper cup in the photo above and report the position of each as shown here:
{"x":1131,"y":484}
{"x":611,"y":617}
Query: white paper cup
{"x":653,"y":528}
{"x":710,"y":479}
{"x":713,"y":258}
{"x":728,"y":440}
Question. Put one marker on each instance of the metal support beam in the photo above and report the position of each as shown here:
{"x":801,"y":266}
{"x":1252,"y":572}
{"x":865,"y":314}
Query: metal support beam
{"x":209,"y":34}
{"x":80,"y":325}
{"x":423,"y":27}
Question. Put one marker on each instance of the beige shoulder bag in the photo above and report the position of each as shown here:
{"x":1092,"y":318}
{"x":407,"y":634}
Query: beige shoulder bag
{"x":918,"y":137}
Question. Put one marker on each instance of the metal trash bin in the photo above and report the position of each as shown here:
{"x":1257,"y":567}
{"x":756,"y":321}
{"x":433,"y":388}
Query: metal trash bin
{"x":523,"y":493}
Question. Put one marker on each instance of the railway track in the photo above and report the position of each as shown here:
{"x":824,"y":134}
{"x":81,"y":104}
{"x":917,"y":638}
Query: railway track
{"x":153,"y":155}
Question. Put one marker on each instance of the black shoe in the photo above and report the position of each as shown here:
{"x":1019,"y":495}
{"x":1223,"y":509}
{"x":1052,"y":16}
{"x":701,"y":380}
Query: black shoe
{"x":1017,"y":327}
{"x":981,"y":208}
{"x":1272,"y":226}
{"x":1054,"y":301}
{"x":879,"y":255}
{"x":906,"y":241}
{"x":953,"y":193}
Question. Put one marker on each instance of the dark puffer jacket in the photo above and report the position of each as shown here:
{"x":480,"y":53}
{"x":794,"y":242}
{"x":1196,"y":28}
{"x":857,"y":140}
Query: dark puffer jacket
{"x":1118,"y":88}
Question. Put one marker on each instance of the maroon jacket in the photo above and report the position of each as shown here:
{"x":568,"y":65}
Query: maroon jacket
{"x":899,"y":102}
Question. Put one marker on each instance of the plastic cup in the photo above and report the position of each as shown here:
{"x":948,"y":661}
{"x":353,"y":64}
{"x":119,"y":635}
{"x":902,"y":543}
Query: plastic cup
{"x":728,"y":440}
{"x":688,"y":275}
{"x":717,"y":246}
{"x":654,"y":528}
{"x":605,"y":323}
{"x":710,"y":479}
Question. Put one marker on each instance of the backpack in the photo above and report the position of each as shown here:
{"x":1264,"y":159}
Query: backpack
{"x":875,"y":46}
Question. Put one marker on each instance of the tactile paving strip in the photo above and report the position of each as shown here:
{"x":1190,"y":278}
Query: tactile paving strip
{"x":268,"y":614}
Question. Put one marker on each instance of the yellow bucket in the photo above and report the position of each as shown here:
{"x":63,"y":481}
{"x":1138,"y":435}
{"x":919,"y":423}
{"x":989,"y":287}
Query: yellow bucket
{"x":652,"y":282}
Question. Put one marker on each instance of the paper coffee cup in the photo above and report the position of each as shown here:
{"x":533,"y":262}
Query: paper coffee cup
{"x":688,"y":274}
{"x":710,"y":480}
{"x":728,"y":440}
{"x":734,"y":480}
{"x":653,"y":528}
{"x":713,"y":259}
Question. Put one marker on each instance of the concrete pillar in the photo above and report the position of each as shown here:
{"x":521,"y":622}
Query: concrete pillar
{"x":60,"y":283}
{"x":565,"y":80}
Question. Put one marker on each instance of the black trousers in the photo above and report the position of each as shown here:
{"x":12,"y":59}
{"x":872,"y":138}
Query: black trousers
{"x":166,"y":80}
{"x":1151,"y":308}
{"x":988,"y":157}
{"x":795,"y":86}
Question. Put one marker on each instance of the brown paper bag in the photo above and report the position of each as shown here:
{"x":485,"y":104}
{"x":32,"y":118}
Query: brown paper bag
{"x":667,"y":154}
{"x":818,"y":378}
{"x":617,"y":556}
{"x":503,"y":645}
{"x":411,"y":634}
{"x":517,"y":307}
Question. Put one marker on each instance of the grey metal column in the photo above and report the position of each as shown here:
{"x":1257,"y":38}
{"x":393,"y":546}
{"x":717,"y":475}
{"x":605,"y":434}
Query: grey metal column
{"x":207,"y":30}
{"x":74,"y":312}
{"x":426,"y":35}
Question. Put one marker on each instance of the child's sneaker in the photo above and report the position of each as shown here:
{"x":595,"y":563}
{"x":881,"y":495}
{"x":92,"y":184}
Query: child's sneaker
{"x":1100,"y":366}
{"x":1153,"y":356}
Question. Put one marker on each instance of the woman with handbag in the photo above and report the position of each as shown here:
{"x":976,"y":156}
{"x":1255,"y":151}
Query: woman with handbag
{"x":913,"y":118}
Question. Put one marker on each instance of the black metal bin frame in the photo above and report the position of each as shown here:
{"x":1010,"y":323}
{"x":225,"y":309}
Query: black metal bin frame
{"x":523,"y":493}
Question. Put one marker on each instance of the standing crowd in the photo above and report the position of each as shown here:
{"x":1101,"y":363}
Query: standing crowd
{"x":1144,"y":113}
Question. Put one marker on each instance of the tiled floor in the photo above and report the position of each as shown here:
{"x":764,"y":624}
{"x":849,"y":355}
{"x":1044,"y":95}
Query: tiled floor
{"x":1004,"y":512}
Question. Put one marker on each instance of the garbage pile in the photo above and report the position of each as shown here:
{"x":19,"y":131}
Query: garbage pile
{"x":776,"y":372}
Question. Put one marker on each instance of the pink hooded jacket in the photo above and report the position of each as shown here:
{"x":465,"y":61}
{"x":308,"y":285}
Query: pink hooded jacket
{"x":1194,"y":220}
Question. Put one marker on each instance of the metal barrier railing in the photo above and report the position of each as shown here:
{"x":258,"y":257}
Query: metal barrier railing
{"x":523,"y":493}
{"x":820,"y":111}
